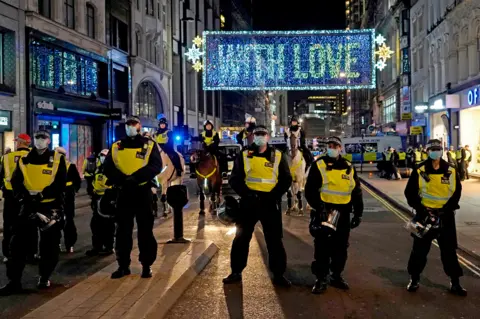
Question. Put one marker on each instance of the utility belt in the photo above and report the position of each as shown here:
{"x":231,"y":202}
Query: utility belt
{"x":43,"y":217}
{"x":426,"y":225}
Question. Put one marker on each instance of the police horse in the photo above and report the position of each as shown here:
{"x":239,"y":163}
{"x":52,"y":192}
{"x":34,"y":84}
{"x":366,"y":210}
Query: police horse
{"x":209,"y":179}
{"x":168,"y":177}
{"x":297,"y":165}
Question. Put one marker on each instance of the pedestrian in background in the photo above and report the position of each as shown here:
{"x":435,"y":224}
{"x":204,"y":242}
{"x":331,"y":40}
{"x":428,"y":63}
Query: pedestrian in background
{"x":434,"y":191}
{"x":461,"y":155}
{"x":452,"y":156}
{"x":332,"y":188}
{"x":260,"y":177}
{"x":468,"y":159}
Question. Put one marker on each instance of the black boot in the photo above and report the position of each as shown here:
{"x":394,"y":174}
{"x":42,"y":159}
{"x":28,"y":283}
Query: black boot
{"x":281,"y":281}
{"x":106,"y":252}
{"x":147,"y":272}
{"x":337,"y":281}
{"x":232,"y":278}
{"x":414,"y":284}
{"x":121,"y":272}
{"x":456,"y":288}
{"x":11,"y":288}
{"x":43,"y":283}
{"x":320,"y":286}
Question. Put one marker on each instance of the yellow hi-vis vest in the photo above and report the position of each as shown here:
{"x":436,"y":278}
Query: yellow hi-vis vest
{"x":99,"y":184}
{"x":453,"y":154}
{"x":424,"y":156}
{"x":9,"y":164}
{"x":337,"y":184}
{"x":467,"y":155}
{"x":37,"y":177}
{"x":388,"y":156}
{"x":208,"y":140}
{"x":402,"y":156}
{"x":162,"y":138}
{"x":69,"y":183}
{"x":418,"y":156}
{"x":260,"y":173}
{"x":130,"y":160}
{"x":436,"y":192}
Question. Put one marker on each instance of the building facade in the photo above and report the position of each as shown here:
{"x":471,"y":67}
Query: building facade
{"x":12,"y":72}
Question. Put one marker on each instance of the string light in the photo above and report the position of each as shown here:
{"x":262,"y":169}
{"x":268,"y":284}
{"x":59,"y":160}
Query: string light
{"x":384,"y":52}
{"x":380,"y":39}
{"x":198,"y":41}
{"x":198,"y":66}
{"x":194,"y":53}
{"x":289,"y":60}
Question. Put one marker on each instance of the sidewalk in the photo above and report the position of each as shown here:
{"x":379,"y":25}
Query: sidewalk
{"x":98,"y":296}
{"x":467,"y":217}
{"x":81,"y":200}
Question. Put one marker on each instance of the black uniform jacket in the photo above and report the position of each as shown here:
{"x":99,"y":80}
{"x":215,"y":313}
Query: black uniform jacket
{"x":315,"y":182}
{"x":74,"y":177}
{"x":2,"y":168}
{"x":412,"y":190}
{"x":53,"y":190}
{"x":237,"y":178}
{"x":144,"y":174}
{"x":216,"y":138}
{"x":169,"y":144}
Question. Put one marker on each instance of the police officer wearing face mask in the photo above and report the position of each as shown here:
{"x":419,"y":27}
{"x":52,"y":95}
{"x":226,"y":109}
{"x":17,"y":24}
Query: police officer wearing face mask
{"x":260,"y":176}
{"x":102,"y":223}
{"x":332,"y":186}
{"x":39,"y":183}
{"x":434,"y":190}
{"x":130,"y":166}
{"x":11,"y":207}
{"x":164,"y":138}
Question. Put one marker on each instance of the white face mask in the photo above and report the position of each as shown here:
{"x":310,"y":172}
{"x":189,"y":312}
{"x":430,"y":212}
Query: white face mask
{"x":260,"y":140}
{"x":102,"y":158}
{"x":131,"y":130}
{"x":40,"y":143}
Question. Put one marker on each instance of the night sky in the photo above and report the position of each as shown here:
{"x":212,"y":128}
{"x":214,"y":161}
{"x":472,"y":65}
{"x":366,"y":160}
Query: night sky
{"x":298,"y":14}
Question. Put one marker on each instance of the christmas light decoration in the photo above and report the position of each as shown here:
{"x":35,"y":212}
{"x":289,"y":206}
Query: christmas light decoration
{"x":384,"y":53}
{"x":380,"y":39}
{"x":198,"y":41}
{"x":193,"y":54}
{"x":289,"y":60}
{"x":380,"y":64}
{"x":198,"y":66}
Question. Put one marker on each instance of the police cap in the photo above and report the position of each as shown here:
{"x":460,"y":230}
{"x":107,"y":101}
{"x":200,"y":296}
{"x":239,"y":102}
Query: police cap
{"x":132,"y":120}
{"x":334,"y":140}
{"x":42,"y":134}
{"x":434,"y":145}
{"x":260,"y":130}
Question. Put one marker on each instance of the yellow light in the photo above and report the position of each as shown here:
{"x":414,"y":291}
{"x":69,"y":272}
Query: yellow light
{"x":198,"y":41}
{"x":384,"y":52}
{"x":198,"y":66}
{"x":222,"y":18}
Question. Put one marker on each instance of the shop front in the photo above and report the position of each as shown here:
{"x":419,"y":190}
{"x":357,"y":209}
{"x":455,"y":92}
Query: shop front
{"x":469,"y":128}
{"x":438,"y":124}
{"x":6,"y":133}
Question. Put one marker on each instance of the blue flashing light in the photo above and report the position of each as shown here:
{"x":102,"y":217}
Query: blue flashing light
{"x":177,"y":137}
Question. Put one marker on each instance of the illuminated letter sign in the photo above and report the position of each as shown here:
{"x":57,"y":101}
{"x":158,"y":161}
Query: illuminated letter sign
{"x":289,"y":60}
{"x":473,"y":96}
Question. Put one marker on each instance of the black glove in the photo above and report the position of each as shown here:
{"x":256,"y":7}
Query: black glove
{"x":356,"y":220}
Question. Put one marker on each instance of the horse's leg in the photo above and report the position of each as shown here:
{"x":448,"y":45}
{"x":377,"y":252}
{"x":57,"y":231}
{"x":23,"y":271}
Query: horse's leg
{"x":300,"y":202}
{"x":212,"y":202}
{"x":202,"y":200}
{"x":289,"y":202}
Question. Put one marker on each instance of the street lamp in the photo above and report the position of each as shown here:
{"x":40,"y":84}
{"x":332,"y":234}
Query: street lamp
{"x":181,"y":46}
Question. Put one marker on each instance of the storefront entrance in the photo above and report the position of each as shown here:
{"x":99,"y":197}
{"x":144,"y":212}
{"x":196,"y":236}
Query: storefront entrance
{"x":470,"y":135}
{"x":437,"y":127}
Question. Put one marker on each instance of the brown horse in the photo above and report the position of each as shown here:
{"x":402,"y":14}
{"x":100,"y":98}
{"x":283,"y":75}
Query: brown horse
{"x":209,"y":179}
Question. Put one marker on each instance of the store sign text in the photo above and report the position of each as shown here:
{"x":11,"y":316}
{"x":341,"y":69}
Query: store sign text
{"x":3,"y":121}
{"x":473,"y":96}
{"x":46,"y":105}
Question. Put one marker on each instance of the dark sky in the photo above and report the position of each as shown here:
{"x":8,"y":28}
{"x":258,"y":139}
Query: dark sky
{"x":298,"y":14}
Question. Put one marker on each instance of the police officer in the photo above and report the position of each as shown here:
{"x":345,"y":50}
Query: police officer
{"x":468,"y":159}
{"x":39,"y":183}
{"x":242,"y":137}
{"x":452,"y":156}
{"x":260,"y":176}
{"x":332,"y":185}
{"x":11,"y":206}
{"x":461,"y":155}
{"x":74,"y":182}
{"x":402,"y":158}
{"x":88,"y":169}
{"x":423,"y":152}
{"x":297,"y":131}
{"x":210,"y":141}
{"x":131,"y":165}
{"x":165,"y":139}
{"x":102,"y":223}
{"x":434,"y":189}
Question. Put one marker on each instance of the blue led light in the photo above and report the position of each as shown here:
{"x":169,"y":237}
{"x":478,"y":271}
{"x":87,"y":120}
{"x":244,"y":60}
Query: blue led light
{"x":289,"y":60}
{"x":177,"y":137}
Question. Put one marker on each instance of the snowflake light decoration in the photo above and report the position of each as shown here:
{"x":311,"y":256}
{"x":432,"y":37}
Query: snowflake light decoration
{"x":380,"y":64}
{"x":198,"y":66}
{"x":384,"y":52}
{"x":380,"y":39}
{"x":198,"y":41}
{"x":195,"y":53}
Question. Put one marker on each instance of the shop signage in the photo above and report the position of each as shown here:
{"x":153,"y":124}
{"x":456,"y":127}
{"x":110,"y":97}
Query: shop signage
{"x":416,"y":130}
{"x":5,"y":121}
{"x":406,"y":116}
{"x":116,"y":114}
{"x":421,"y":107}
{"x":45,"y":105}
{"x":437,"y":105}
{"x":473,"y":96}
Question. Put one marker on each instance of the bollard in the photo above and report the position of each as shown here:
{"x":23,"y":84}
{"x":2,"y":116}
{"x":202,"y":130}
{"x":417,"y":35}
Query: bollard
{"x":177,"y":198}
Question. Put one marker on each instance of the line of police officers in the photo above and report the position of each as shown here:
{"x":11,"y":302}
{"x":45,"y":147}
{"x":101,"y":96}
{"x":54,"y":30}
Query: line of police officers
{"x":261,"y":176}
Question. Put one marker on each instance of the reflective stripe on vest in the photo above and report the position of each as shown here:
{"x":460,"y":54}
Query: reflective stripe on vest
{"x":337,"y":186}
{"x":208,"y":140}
{"x":459,"y":154}
{"x":9,"y":164}
{"x":418,"y":156}
{"x":130,"y":160}
{"x":388,"y":156}
{"x":99,"y":184}
{"x":162,"y":138}
{"x":436,"y":192}
{"x":37,"y":177}
{"x":261,"y":174}
{"x":69,"y":183}
{"x":402,"y":156}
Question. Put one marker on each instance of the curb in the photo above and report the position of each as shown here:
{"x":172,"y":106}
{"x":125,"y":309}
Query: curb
{"x":172,"y":294}
{"x":409,"y":212}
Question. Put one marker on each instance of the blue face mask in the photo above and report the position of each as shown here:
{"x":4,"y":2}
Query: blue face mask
{"x":332,"y":152}
{"x":260,"y":140}
{"x":131,"y":130}
{"x":435,"y":155}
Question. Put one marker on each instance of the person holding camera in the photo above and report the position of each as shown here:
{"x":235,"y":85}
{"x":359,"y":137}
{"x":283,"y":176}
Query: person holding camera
{"x":434,"y":191}
{"x":38,"y":183}
{"x":332,"y":190}
{"x":260,"y":177}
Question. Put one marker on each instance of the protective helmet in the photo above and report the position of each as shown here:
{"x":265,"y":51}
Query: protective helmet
{"x":434,"y":145}
{"x":293,"y":118}
{"x":104,"y":152}
{"x":163,"y":120}
{"x":207,"y":122}
{"x":61,"y":150}
{"x":228,"y":211}
{"x":106,"y":205}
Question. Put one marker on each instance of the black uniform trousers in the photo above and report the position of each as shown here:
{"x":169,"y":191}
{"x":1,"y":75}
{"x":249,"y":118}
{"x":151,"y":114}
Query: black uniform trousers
{"x":447,"y":241}
{"x":135,"y":203}
{"x":269,"y":214}
{"x":331,"y":251}
{"x":70,"y":230}
{"x":461,"y":169}
{"x":103,"y":228}
{"x":24,"y":233}
{"x":11,"y":209}
{"x":89,"y":180}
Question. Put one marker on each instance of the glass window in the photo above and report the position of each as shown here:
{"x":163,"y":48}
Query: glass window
{"x":390,"y":110}
{"x":164,"y":16}
{"x":45,"y":8}
{"x":138,"y":5}
{"x":69,"y":13}
{"x":147,"y":101}
{"x":138,"y":43}
{"x":1,"y":58}
{"x":90,"y":21}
